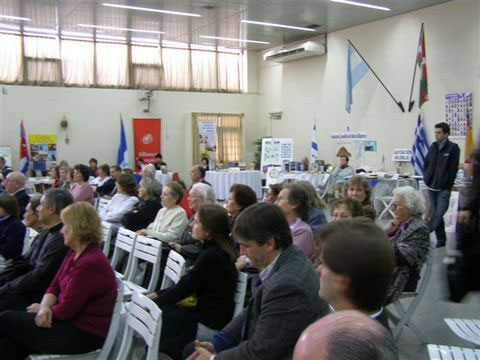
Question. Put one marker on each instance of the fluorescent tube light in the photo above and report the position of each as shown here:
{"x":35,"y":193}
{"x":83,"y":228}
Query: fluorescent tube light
{"x":118,"y":28}
{"x":139,"y":8}
{"x":349,"y":2}
{"x":276,"y":25}
{"x":232,"y":39}
{"x":15,"y":18}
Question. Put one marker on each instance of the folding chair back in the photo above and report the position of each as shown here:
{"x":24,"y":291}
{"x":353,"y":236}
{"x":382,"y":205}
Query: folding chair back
{"x":102,"y":205}
{"x":123,"y":244}
{"x":240,"y":291}
{"x":174,"y":269}
{"x":27,"y":241}
{"x":149,"y":250}
{"x":145,"y":319}
{"x":442,"y":352}
{"x":467,"y":329}
{"x":106,"y":236}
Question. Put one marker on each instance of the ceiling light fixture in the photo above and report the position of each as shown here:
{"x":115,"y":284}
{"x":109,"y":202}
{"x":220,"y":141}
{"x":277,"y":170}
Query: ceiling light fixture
{"x":139,"y":8}
{"x":232,"y":39}
{"x":15,"y":17}
{"x":348,"y":2}
{"x":277,"y":25}
{"x":119,"y":28}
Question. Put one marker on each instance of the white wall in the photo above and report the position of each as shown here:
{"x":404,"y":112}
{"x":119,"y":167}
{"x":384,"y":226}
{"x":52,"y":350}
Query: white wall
{"x":315,"y":87}
{"x":94,"y":126}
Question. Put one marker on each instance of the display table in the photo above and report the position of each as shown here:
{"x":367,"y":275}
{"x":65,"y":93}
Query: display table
{"x":222,"y":181}
{"x":316,"y":179}
{"x":162,"y":178}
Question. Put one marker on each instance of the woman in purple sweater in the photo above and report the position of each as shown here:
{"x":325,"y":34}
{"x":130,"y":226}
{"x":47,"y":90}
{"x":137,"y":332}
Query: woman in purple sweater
{"x":76,"y":310}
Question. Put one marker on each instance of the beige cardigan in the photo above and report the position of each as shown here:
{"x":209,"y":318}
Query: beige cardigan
{"x":169,"y":224}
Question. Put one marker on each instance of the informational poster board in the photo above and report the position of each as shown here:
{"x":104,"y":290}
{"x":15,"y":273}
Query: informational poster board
{"x":458,"y":109}
{"x":6,"y":152}
{"x":275,"y":151}
{"x":207,"y":138}
{"x":43,"y":150}
{"x":147,"y":138}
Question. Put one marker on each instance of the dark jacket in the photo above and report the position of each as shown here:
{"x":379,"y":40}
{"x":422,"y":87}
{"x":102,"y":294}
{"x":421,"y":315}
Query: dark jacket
{"x":213,"y":279}
{"x":23,"y":200}
{"x":12,"y":234}
{"x":106,"y":188}
{"x":31,"y":274}
{"x":441,"y":166}
{"x":142,"y":214}
{"x":316,"y":218}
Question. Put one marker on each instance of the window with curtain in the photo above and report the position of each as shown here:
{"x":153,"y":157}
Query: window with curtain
{"x":75,"y":59}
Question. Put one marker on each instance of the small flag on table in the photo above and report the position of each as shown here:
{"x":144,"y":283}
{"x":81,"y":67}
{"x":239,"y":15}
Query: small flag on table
{"x":24,"y":158}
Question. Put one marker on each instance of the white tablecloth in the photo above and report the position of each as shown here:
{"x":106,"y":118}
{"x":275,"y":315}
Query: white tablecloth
{"x":314,"y":178}
{"x":222,"y":181}
{"x":162,"y":178}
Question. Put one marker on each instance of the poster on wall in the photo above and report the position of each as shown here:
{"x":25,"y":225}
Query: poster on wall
{"x":147,"y":139}
{"x":43,"y":150}
{"x":275,"y":151}
{"x":458,"y":109}
{"x":207,"y":139}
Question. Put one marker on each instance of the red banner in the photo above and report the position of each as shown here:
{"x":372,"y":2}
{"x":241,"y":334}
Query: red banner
{"x":147,"y":139}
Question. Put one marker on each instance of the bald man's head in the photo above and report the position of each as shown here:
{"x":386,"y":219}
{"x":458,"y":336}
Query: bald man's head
{"x":345,"y":335}
{"x":14,"y":182}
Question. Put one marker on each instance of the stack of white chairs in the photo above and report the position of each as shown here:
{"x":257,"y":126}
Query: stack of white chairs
{"x":124,"y":244}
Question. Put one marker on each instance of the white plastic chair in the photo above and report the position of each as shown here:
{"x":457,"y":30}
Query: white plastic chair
{"x":174,"y":269}
{"x":467,"y":329}
{"x":124,"y":242}
{"x":102,"y":205}
{"x":104,"y":352}
{"x":106,"y":236}
{"x":442,"y":352}
{"x":403,"y":316}
{"x":387,"y":203}
{"x":240,"y":291}
{"x":145,"y":319}
{"x":149,"y":250}
{"x":27,"y":242}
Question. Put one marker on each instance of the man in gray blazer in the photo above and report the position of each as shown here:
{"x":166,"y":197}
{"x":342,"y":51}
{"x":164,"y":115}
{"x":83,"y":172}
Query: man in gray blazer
{"x":285,"y":299}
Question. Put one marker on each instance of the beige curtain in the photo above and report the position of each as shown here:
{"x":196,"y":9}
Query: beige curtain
{"x":204,"y":70}
{"x":147,"y":70}
{"x":229,"y":138}
{"x":176,"y":65}
{"x":229,"y":72}
{"x":112,"y":64}
{"x":77,"y":62}
{"x":11,"y":58}
{"x":42,"y":59}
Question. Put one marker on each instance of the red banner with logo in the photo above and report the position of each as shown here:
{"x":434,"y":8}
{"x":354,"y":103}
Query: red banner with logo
{"x":147,"y":139}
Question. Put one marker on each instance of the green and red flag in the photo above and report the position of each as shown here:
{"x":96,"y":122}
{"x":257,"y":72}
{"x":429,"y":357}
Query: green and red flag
{"x":422,"y":65}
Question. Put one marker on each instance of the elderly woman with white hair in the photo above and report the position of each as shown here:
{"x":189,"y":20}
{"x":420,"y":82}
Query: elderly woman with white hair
{"x":410,"y":239}
{"x":200,"y":194}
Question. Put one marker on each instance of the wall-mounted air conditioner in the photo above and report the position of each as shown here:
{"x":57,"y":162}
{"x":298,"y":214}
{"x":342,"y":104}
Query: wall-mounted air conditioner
{"x":295,"y":52}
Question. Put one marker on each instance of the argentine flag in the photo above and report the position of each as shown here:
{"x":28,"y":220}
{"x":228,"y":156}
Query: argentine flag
{"x":122,"y":157}
{"x":357,"y":68}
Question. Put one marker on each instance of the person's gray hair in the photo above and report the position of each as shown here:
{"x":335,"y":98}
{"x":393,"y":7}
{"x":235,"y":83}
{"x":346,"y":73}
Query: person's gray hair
{"x":204,"y":191}
{"x":361,"y":344}
{"x":413,"y":200}
{"x":58,"y":199}
{"x":152,"y":187}
{"x":149,"y":171}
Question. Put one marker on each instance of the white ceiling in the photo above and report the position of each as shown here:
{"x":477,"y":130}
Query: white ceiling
{"x":218,"y":18}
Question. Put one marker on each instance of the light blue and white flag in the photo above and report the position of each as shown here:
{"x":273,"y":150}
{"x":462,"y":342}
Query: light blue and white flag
{"x":314,"y":146}
{"x":122,"y":157}
{"x":357,"y":68}
{"x":420,"y":147}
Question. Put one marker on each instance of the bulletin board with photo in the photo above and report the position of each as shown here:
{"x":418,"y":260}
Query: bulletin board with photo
{"x":458,"y":109}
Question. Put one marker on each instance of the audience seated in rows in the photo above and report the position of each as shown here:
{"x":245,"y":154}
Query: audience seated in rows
{"x":122,"y":202}
{"x":410,"y":239}
{"x":184,"y":203}
{"x":66,"y":174}
{"x":54,"y":174}
{"x":75,"y":313}
{"x":356,"y":267}
{"x":357,"y":187}
{"x":103,"y":184}
{"x":316,"y":216}
{"x":171,"y":220}
{"x":93,"y":169}
{"x":115,"y":172}
{"x":346,"y":335}
{"x":186,"y":244}
{"x":15,"y":185}
{"x":240,"y":197}
{"x":286,"y":298}
{"x":197,"y":174}
{"x":12,"y":229}
{"x":81,"y":189}
{"x":272,"y":193}
{"x":26,"y":279}
{"x":293,"y":200}
{"x":32,"y":222}
{"x":148,"y":171}
{"x":159,"y":162}
{"x":145,"y":210}
{"x":346,"y":208}
{"x":211,"y":282}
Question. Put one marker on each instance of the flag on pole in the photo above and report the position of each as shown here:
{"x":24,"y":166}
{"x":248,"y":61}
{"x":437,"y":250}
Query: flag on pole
{"x":122,"y":157}
{"x":357,"y":68}
{"x":314,"y":146}
{"x":422,"y":65}
{"x":420,"y":147}
{"x":24,"y":159}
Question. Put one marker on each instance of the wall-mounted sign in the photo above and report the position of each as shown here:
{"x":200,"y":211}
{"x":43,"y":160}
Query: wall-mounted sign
{"x":348,"y":136}
{"x":402,"y":155}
